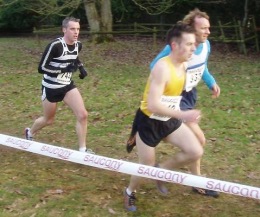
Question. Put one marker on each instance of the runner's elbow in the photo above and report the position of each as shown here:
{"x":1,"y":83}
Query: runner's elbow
{"x":152,"y":108}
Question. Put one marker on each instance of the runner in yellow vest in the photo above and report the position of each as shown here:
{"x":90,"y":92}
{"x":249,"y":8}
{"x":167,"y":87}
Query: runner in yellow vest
{"x":159,"y":117}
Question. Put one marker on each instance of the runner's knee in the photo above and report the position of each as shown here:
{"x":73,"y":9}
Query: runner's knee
{"x":83,"y":116}
{"x":148,"y":162}
{"x":202,"y":140}
{"x":195,"y":153}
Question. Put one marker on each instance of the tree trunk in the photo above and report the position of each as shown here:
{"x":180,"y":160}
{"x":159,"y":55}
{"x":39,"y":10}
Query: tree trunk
{"x":106,"y":15}
{"x":244,"y":23}
{"x":99,"y":20}
{"x":106,"y":19}
{"x":93,"y":18}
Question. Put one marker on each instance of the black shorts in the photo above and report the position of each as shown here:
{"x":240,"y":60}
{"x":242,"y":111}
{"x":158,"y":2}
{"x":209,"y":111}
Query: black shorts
{"x":152,"y":131}
{"x":56,"y":95}
{"x":188,"y":100}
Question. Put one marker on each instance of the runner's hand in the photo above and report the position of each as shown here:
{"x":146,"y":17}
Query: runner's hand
{"x":191,"y":116}
{"x":72,"y":67}
{"x":215,"y":91}
{"x":83,"y":72}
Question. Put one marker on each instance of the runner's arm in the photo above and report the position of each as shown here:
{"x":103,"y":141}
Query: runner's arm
{"x":208,"y":78}
{"x":53,"y":50}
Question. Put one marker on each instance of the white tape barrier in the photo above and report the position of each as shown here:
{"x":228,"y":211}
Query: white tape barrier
{"x":129,"y":168}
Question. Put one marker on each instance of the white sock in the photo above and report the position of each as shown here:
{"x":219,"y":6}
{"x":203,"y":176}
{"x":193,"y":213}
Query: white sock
{"x":82,"y":149}
{"x":29,"y":133}
{"x":128,"y":192}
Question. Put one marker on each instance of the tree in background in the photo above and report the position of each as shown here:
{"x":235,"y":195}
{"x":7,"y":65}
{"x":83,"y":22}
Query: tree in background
{"x":18,"y":15}
{"x":14,"y":17}
{"x":100,"y":19}
{"x":99,"y":15}
{"x":155,"y":7}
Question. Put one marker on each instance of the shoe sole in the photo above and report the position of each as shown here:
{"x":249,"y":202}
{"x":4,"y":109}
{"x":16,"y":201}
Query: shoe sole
{"x":203,"y":192}
{"x":25,"y":134}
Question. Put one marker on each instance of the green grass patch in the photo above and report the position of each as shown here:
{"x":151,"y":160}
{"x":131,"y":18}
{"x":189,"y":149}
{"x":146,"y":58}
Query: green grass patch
{"x":34,"y":185}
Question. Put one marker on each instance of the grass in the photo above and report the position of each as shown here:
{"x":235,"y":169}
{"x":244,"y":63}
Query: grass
{"x":34,"y":185}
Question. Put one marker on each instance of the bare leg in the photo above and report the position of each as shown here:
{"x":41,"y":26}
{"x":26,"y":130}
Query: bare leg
{"x":183,"y":138}
{"x":49,"y":110}
{"x":191,"y":150}
{"x":146,"y":156}
{"x":195,"y":168}
{"x":198,"y":132}
{"x":74,"y":100}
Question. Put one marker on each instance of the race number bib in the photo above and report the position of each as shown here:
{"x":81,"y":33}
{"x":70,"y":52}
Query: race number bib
{"x":172,"y":102}
{"x":193,"y":76}
{"x":64,"y":78}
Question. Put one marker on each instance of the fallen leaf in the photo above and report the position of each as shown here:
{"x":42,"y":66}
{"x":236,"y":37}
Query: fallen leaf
{"x":55,"y":191}
{"x":253,"y":175}
{"x":110,"y":210}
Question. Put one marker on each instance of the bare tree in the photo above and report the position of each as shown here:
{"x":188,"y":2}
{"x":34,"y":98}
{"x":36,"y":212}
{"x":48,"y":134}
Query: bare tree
{"x":98,"y":13}
{"x":155,"y":7}
{"x":47,"y":8}
{"x":106,"y":15}
{"x":100,"y":19}
{"x":92,"y":15}
{"x":245,"y":14}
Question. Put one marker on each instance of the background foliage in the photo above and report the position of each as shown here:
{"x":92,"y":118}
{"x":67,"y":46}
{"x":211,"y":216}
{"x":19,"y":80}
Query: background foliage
{"x":24,"y":15}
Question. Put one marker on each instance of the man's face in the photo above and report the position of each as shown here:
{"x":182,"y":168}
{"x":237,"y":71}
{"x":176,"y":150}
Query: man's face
{"x":201,"y":26}
{"x":186,"y":47}
{"x":71,"y":33}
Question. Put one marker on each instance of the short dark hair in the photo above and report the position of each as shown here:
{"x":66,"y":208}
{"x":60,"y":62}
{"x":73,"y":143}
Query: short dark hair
{"x":67,"y":20}
{"x":175,"y":33}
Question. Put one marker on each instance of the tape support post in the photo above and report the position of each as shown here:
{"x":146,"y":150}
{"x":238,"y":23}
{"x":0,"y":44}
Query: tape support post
{"x":130,"y":168}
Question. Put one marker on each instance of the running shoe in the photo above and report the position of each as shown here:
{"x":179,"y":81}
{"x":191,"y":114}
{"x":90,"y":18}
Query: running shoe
{"x":205,"y":192}
{"x":129,"y":201}
{"x":89,"y":151}
{"x":161,"y":187}
{"x":27,"y":134}
{"x":160,"y":184}
{"x":131,"y":143}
